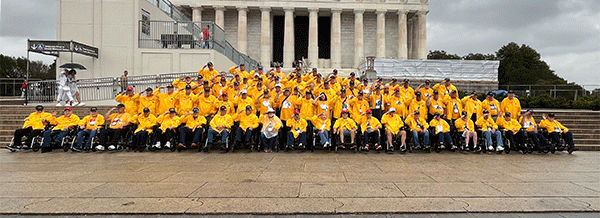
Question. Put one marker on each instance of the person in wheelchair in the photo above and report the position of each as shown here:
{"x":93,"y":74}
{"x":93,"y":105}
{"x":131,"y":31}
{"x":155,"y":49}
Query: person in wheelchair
{"x":62,"y":125}
{"x":346,"y":127}
{"x":442,"y":130}
{"x":393,"y":127}
{"x":33,"y":126}
{"x":220,"y":124}
{"x":270,"y":128}
{"x":466,"y":128}
{"x":117,"y":128}
{"x":145,"y":124}
{"x":556,"y":130}
{"x":322,"y":125}
{"x":297,"y":127}
{"x":370,"y":129}
{"x":510,"y":127}
{"x":530,"y":131}
{"x":418,"y":127}
{"x":193,"y":126}
{"x":490,"y":129}
{"x":89,"y":127}
{"x":169,"y":121}
{"x":248,"y":124}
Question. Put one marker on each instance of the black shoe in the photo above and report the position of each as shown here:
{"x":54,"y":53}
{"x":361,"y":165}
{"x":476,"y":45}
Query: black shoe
{"x":477,"y":149}
{"x":572,"y":149}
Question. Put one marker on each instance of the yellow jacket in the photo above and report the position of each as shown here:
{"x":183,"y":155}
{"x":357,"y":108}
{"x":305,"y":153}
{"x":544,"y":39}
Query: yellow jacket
{"x":492,"y":106}
{"x":399,"y":103}
{"x":529,"y":123}
{"x":513,"y":124}
{"x":228,"y":105}
{"x":320,"y":123}
{"x":62,"y":122}
{"x":241,"y":103}
{"x":472,"y":106}
{"x":460,"y":125}
{"x":436,"y":106}
{"x":418,"y":125}
{"x":486,"y":124}
{"x":338,"y":104}
{"x":92,"y":123}
{"x":358,"y":107}
{"x":443,"y":90}
{"x":246,"y":121}
{"x":167,"y":121}
{"x":118,"y":120}
{"x":415,"y":105}
{"x":377,"y":100}
{"x":148,"y":102}
{"x":425,"y":93}
{"x":513,"y":106}
{"x":392,"y":123}
{"x":264,"y":104}
{"x":34,"y":120}
{"x":266,"y":121}
{"x":552,"y":126}
{"x":408,"y":93}
{"x":183,"y":103}
{"x":296,"y":125}
{"x":440,"y":126}
{"x":365,"y":123}
{"x":344,"y":124}
{"x":307,"y":108}
{"x":207,"y":73}
{"x":191,"y":122}
{"x":287,"y":106}
{"x":453,"y":108}
{"x":206,"y":105}
{"x":220,"y":120}
{"x":144,"y":122}
{"x":165,"y":101}
{"x":181,"y":84}
{"x":243,"y":74}
{"x":130,"y":102}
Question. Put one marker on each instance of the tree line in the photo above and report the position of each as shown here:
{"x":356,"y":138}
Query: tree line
{"x":13,"y":67}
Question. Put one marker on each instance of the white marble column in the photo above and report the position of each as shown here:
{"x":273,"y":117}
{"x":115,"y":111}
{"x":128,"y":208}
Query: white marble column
{"x":422,"y":35}
{"x":220,"y":16}
{"x":410,"y":39}
{"x":242,"y":45}
{"x":380,"y":33}
{"x":313,"y":37}
{"x":402,"y":35}
{"x":288,"y":38}
{"x":197,"y":15}
{"x":336,"y":38}
{"x":265,"y":36}
{"x":358,"y":37}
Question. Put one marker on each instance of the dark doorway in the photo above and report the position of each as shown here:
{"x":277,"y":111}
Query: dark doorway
{"x":325,"y":37}
{"x":300,"y":37}
{"x":278,"y":32}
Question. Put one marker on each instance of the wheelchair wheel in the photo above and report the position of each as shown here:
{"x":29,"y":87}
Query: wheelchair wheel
{"x":65,"y":144}
{"x":36,"y":143}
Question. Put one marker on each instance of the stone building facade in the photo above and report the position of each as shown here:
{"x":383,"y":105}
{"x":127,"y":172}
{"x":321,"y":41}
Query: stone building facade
{"x":327,"y":33}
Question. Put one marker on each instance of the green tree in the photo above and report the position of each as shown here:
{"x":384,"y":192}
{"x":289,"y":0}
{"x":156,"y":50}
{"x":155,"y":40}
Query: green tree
{"x":523,"y":65}
{"x":481,"y":57}
{"x":441,"y":54}
{"x":11,"y":67}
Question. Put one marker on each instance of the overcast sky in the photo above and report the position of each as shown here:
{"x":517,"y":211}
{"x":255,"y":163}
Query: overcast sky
{"x":565,"y":32}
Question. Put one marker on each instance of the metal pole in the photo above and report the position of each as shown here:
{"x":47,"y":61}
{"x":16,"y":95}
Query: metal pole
{"x":27,"y":74}
{"x":575,"y":95}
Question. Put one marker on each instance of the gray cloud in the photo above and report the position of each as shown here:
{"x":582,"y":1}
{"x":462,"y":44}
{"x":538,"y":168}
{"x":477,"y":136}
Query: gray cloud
{"x":28,"y":18}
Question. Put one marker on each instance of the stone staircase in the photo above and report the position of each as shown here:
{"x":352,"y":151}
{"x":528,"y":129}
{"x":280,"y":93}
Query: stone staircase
{"x":585,"y":124}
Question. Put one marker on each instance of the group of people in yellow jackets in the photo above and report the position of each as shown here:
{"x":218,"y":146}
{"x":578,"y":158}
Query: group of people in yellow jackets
{"x":299,"y":108}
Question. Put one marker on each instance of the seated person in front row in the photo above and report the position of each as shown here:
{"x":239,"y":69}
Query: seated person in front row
{"x":466,"y":128}
{"x":118,"y":122}
{"x":442,"y":129}
{"x":393,"y":124}
{"x":89,"y":127}
{"x":531,"y":131}
{"x":169,"y":121}
{"x":556,"y":130}
{"x":62,"y":126}
{"x":220,"y":124}
{"x":490,"y":129}
{"x":322,"y":125}
{"x":193,"y":126}
{"x":248,"y":122}
{"x":346,"y":127}
{"x":270,"y":128}
{"x":297,"y":127}
{"x":33,"y":126}
{"x":418,"y":127}
{"x":145,"y":121}
{"x":370,"y":127}
{"x":511,"y":127}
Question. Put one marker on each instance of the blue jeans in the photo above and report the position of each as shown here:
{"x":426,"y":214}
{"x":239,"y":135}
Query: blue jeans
{"x":372,"y":136}
{"x":246,"y":134}
{"x":185,"y":131}
{"x":444,"y":137}
{"x":290,"y":138}
{"x":212,"y":133}
{"x":324,"y":136}
{"x":83,"y":133}
{"x":141,"y":138}
{"x":416,"y":135}
{"x":488,"y":138}
{"x":50,"y":133}
{"x":268,"y":143}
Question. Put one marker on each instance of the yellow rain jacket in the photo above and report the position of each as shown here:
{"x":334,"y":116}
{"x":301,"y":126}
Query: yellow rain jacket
{"x":91,"y":122}
{"x":34,"y":120}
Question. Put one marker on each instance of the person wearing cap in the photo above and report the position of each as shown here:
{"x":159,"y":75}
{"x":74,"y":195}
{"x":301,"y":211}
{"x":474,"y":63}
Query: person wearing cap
{"x":263,"y":102}
{"x":425,"y":90}
{"x":257,"y":89}
{"x":145,"y":124}
{"x":472,"y":106}
{"x":358,"y":105}
{"x":88,"y":127}
{"x":346,"y":127}
{"x":184,"y":101}
{"x":509,"y":127}
{"x":393,"y":84}
{"x":442,"y":130}
{"x":376,"y":99}
{"x":297,"y":127}
{"x":169,"y":122}
{"x":334,"y":83}
{"x":393,"y":127}
{"x":219,"y":88}
{"x":270,"y":129}
{"x":466,"y":128}
{"x":406,"y":91}
{"x":490,"y":129}
{"x":180,"y":83}
{"x":445,"y":87}
{"x":352,"y":78}
{"x":208,"y":71}
{"x":221,"y":124}
{"x":118,"y":123}
{"x":322,"y":125}
{"x":149,"y":101}
{"x":417,"y":104}
{"x":512,"y":105}
{"x":129,"y":99}
{"x":277,"y":71}
{"x":419,"y":128}
{"x":435,"y":105}
{"x":248,"y":124}
{"x":306,"y":105}
{"x":530,"y":131}
{"x":395,"y":100}
{"x":239,"y":70}
{"x":339,"y":103}
{"x":364,"y":86}
{"x":453,"y":106}
{"x":491,"y":104}
{"x":296,"y":82}
{"x":33,"y":126}
{"x":206,"y":103}
{"x":286,"y":102}
{"x":369,"y":126}
{"x":274,"y":91}
{"x":164,"y":100}
{"x":351,"y":90}
{"x":194,"y":125}
{"x":62,"y":125}
{"x":557,"y":131}
{"x":242,"y":101}
{"x":224,"y":100}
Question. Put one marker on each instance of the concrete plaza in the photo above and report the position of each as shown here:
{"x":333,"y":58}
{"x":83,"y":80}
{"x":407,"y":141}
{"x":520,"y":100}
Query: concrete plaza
{"x":296,"y":183}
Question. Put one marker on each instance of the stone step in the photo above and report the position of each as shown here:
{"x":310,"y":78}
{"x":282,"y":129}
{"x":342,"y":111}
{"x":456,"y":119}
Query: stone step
{"x":586,"y":141}
{"x":584,"y":131}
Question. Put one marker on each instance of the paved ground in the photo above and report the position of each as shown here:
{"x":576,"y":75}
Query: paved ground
{"x":418,"y":215}
{"x":292,"y":183}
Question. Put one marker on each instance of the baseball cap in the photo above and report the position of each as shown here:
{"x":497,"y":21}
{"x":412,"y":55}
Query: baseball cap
{"x":486,"y":112}
{"x":260,"y":67}
{"x":296,"y":111}
{"x":129,"y":88}
{"x":507,"y":114}
{"x":188,"y":87}
{"x":242,"y":65}
{"x":406,"y":80}
{"x":94,"y":109}
{"x":170,"y":86}
{"x":120,"y":105}
{"x":393,"y":109}
{"x":464,"y":113}
{"x":68,"y":109}
{"x":435,"y":92}
{"x":244,"y":91}
{"x":396,"y":89}
{"x":278,"y":85}
{"x":209,"y":63}
{"x":352,"y":74}
{"x":224,"y":93}
{"x":314,"y":69}
{"x":418,"y":94}
{"x":149,"y":89}
{"x":345,"y":112}
{"x":447,"y":79}
{"x":248,"y":107}
{"x":277,"y":66}
{"x":196,"y":110}
{"x":270,"y":110}
{"x":511,"y":92}
{"x":39,"y":108}
{"x":436,"y":114}
{"x":365,"y":80}
{"x":529,"y":110}
{"x":473,"y":93}
{"x":146,"y":110}
{"x":223,"y":108}
{"x":490,"y":94}
{"x":369,"y":111}
{"x":223,"y":79}
{"x":172,"y":110}
{"x":427,"y":82}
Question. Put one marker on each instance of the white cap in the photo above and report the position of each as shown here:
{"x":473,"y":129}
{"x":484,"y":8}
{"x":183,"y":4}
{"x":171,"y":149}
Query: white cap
{"x":244,"y":91}
{"x":366,"y":91}
{"x":271,"y":110}
{"x":278,"y":85}
{"x":256,"y":74}
{"x":393,"y":109}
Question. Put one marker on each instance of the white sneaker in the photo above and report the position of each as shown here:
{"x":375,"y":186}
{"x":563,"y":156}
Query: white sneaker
{"x":490,"y":148}
{"x":157,"y":145}
{"x":111,"y":147}
{"x":499,"y":149}
{"x":168,"y":145}
{"x":81,"y":104}
{"x":326,"y":145}
{"x":100,"y":148}
{"x":58,"y":105}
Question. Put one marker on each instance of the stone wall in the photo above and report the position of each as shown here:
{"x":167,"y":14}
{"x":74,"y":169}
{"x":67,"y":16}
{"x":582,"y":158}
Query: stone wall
{"x":370,"y":34}
{"x":391,"y":35}
{"x":231,"y":26}
{"x":254,"y":34}
{"x":347,"y":35}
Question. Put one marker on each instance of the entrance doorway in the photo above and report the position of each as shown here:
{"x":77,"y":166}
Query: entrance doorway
{"x":324,"y":37}
{"x":278,"y":32}
{"x":300,"y":37}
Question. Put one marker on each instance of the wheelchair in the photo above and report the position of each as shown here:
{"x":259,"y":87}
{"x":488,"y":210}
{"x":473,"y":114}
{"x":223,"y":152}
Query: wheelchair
{"x":317,"y":142}
{"x":34,"y":145}
{"x":188,"y":138}
{"x":123,"y":141}
{"x":396,"y":141}
{"x":217,"y":140}
{"x":69,"y":141}
{"x":410,"y":145}
{"x":481,"y":140}
{"x":554,"y":144}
